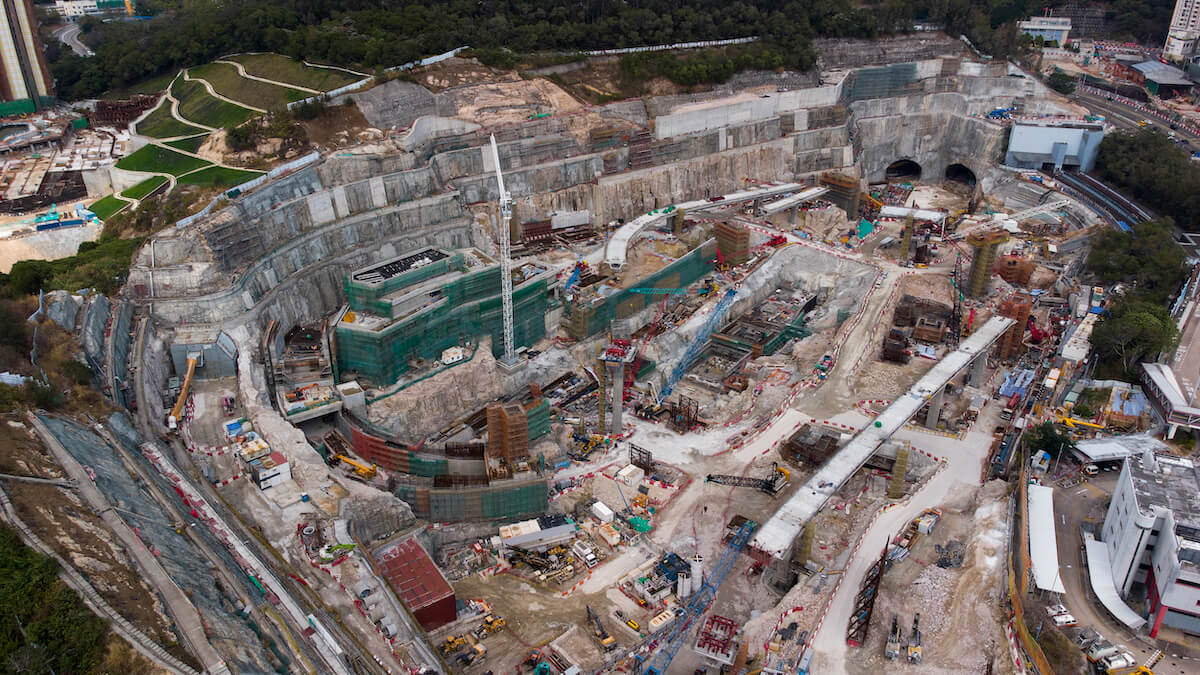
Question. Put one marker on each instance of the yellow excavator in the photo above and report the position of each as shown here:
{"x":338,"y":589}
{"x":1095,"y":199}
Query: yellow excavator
{"x":173,"y":418}
{"x":361,"y":470}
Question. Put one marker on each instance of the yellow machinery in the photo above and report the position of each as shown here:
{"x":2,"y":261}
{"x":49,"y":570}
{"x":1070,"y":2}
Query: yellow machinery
{"x":452,"y":643}
{"x":173,"y":418}
{"x":607,"y":641}
{"x":361,"y":470}
{"x":129,"y":7}
{"x":491,"y":624}
{"x":1074,"y":423}
{"x":1130,"y":670}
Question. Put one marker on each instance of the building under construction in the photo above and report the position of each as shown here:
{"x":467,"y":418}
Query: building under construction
{"x":406,"y":311}
{"x":983,"y":262}
{"x":1012,"y":344}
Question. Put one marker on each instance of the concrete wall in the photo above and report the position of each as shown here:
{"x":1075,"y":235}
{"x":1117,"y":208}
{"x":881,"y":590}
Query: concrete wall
{"x":931,"y":130}
{"x":740,"y":110}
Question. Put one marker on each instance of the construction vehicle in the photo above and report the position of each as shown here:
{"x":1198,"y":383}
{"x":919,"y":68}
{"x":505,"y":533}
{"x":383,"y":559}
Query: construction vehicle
{"x":892,"y":650}
{"x":600,"y":631}
{"x":772,"y":484}
{"x":491,"y":624}
{"x":453,"y":643}
{"x":914,"y":641}
{"x":475,"y":654}
{"x":173,"y":419}
{"x":628,"y":621}
{"x":1036,"y":333}
{"x":1134,"y":670}
{"x":364,"y":471}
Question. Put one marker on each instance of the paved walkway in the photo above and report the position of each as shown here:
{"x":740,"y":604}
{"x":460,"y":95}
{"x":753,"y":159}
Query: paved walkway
{"x":213,"y":92}
{"x":242,"y":71}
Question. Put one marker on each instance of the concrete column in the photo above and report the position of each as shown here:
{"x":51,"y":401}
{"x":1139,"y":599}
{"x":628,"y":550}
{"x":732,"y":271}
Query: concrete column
{"x":978,"y":372}
{"x":795,"y":215}
{"x":616,"y":374}
{"x":757,"y":206}
{"x":1171,"y":431}
{"x":935,"y":408}
{"x":1158,"y":619}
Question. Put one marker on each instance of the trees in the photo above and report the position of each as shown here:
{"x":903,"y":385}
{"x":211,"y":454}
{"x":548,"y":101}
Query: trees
{"x":1151,"y":168}
{"x":1133,"y":331}
{"x":1062,"y":83}
{"x":1148,"y":259}
{"x":1046,"y":437}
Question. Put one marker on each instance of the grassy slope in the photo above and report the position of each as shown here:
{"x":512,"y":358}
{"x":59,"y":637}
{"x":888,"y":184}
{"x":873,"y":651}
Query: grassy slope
{"x":225,"y":81}
{"x":146,"y":86}
{"x":158,"y":159}
{"x":160,"y":124}
{"x":106,"y":207}
{"x":144,"y":188}
{"x":282,"y":69}
{"x":218,"y":176}
{"x":189,"y":144}
{"x":195,"y":104}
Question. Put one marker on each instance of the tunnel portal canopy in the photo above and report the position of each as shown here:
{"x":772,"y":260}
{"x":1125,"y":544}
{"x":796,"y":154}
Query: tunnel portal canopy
{"x":903,"y":169}
{"x":960,"y":173}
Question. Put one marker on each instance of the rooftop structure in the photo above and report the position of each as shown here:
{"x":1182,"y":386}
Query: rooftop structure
{"x":1075,"y":349}
{"x":1073,"y":143}
{"x":1049,"y":28}
{"x":1157,"y":495}
{"x":1163,"y":80}
{"x":776,"y":537}
{"x":411,"y":308}
{"x":419,"y":583}
{"x":1163,"y":388}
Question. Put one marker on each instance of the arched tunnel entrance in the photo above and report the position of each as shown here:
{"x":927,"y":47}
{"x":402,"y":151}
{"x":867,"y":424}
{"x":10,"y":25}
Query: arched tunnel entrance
{"x":903,"y":169}
{"x":960,"y":173}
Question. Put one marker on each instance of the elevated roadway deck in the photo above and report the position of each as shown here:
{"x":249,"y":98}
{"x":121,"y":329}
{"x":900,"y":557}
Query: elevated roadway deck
{"x":775,"y":537}
{"x":618,"y":246}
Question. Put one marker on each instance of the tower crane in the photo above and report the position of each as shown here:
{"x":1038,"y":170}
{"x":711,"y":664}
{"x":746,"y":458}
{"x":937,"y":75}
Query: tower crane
{"x":502,"y":230}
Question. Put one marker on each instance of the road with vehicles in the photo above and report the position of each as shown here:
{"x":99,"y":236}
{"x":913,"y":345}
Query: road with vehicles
{"x":1126,"y":117}
{"x":69,"y":35}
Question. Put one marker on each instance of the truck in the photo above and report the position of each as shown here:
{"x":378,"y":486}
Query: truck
{"x":585,"y":553}
{"x":1100,"y":650}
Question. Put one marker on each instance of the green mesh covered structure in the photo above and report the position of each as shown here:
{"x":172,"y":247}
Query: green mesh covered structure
{"x":466,"y":307}
{"x":583,"y":321}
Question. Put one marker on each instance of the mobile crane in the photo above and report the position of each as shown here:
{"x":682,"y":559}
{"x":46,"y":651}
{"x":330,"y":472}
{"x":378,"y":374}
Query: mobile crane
{"x":361,"y":470}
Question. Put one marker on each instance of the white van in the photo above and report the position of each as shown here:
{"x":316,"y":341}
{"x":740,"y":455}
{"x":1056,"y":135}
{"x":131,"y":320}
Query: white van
{"x":585,"y":553}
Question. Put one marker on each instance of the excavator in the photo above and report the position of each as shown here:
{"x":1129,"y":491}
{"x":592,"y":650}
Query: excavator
{"x":892,"y":650}
{"x":600,"y":631}
{"x":173,"y":418}
{"x":363,"y":471}
{"x":914,"y":641}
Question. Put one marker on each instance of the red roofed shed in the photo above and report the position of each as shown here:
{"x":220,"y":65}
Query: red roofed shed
{"x":419,"y":583}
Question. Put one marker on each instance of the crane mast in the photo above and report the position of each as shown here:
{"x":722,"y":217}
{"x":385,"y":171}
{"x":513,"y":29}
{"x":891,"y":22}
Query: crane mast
{"x":506,"y":291}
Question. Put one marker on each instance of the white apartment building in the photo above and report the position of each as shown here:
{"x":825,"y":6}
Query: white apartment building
{"x":1184,"y":32}
{"x":1152,"y":534}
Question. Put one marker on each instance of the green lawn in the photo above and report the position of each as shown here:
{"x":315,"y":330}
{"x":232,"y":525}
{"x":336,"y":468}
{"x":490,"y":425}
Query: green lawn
{"x":160,"y":124}
{"x":282,"y":69}
{"x":189,"y":144}
{"x":144,"y":188}
{"x":225,"y":81}
{"x":157,"y":159}
{"x":218,"y":176}
{"x":196,"y":105}
{"x":146,"y":86}
{"x":106,"y":207}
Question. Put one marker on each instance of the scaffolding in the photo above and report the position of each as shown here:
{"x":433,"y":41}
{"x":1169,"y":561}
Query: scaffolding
{"x":508,"y":432}
{"x":985,"y":244}
{"x":468,"y":308}
{"x":587,"y":319}
{"x":503,"y":500}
